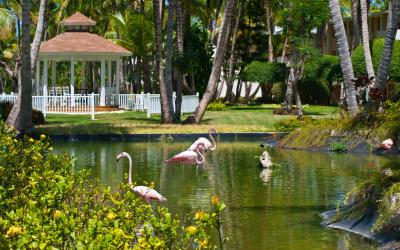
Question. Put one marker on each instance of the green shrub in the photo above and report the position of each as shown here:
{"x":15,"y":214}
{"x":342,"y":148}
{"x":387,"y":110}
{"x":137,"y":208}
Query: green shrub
{"x":325,"y":68}
{"x":338,"y":146}
{"x":377,"y":46}
{"x":5,"y":109}
{"x":278,"y":92}
{"x":313,"y":91}
{"x":291,"y":124}
{"x":264,"y":72}
{"x":216,"y":106}
{"x":45,"y":204}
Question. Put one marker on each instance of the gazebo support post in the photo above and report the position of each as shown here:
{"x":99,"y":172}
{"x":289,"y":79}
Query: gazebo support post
{"x":117,"y":82}
{"x":84,"y":77}
{"x":72,"y":83}
{"x":37,"y":77}
{"x":103,"y":84}
{"x":53,"y":76}
{"x":109,"y":92}
{"x":45,"y":79}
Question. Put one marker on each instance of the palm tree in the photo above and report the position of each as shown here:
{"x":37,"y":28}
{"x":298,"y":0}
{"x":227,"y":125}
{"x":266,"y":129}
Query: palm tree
{"x":38,"y":34}
{"x":168,"y":54}
{"x":232,"y":59}
{"x":386,"y":57}
{"x":216,"y":69}
{"x":344,"y":57}
{"x":166,"y":102}
{"x":355,"y":7}
{"x":179,"y":45}
{"x":20,"y":117}
{"x":365,"y":38}
{"x":270,"y":30}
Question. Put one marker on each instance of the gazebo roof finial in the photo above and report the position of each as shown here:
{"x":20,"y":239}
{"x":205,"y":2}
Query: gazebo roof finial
{"x":78,"y":19}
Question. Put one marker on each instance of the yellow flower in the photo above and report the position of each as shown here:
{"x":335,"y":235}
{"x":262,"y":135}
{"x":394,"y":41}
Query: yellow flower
{"x":50,"y":148}
{"x":127,"y":215}
{"x":14,"y":230}
{"x":42,"y":137}
{"x":31,"y":140}
{"x":203,"y":243}
{"x":199,"y":215}
{"x":57,"y":214}
{"x":191,"y":229}
{"x":111,"y":216}
{"x":214,"y":200}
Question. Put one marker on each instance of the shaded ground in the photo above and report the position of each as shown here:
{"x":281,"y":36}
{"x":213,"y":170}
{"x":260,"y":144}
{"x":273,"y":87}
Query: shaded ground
{"x":258,"y":118}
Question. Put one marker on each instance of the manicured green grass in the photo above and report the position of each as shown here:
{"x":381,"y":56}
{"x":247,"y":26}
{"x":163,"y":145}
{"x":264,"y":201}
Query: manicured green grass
{"x":257,"y":118}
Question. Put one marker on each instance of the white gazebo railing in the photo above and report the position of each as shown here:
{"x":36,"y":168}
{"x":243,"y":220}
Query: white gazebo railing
{"x":85,"y":104}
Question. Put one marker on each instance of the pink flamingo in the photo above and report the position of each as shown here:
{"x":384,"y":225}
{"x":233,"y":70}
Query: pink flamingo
{"x":387,"y":144}
{"x":189,"y":156}
{"x":146,"y":193}
{"x":212,"y":145}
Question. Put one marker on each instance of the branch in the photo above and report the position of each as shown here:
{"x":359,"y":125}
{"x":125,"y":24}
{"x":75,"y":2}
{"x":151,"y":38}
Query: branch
{"x":7,"y":68}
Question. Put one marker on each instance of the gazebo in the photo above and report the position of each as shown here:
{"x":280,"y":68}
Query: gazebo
{"x":76,"y":44}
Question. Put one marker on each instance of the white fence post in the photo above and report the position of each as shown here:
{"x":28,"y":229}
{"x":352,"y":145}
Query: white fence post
{"x":149,"y":105}
{"x":92,"y":105}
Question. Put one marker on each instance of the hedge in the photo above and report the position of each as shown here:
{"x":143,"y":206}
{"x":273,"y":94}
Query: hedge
{"x":377,"y":46}
{"x":264,"y":72}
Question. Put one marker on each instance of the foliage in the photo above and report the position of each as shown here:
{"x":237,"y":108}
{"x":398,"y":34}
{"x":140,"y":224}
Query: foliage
{"x":5,"y":109}
{"x":216,"y":106}
{"x":338,"y":146}
{"x":313,"y":91}
{"x":278,"y":92}
{"x":325,"y":68}
{"x":264,"y":72}
{"x":292,"y":124}
{"x":45,"y":204}
{"x":377,"y":48}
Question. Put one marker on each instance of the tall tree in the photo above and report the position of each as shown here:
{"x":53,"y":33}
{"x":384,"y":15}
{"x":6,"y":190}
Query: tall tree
{"x":386,"y":57}
{"x":38,"y":34}
{"x":344,"y":57}
{"x":168,"y":56}
{"x":270,"y":30}
{"x":167,"y":114}
{"x":355,"y":14}
{"x":20,"y":117}
{"x":365,"y":38}
{"x":179,"y":74}
{"x":216,"y":69}
{"x":232,"y":58}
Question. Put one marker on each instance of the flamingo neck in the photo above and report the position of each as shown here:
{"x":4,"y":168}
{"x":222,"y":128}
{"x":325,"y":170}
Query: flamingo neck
{"x":213,"y":144}
{"x":199,"y":157}
{"x":130,"y":170}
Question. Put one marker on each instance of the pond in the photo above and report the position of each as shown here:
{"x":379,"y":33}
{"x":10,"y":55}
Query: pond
{"x":276,"y":211}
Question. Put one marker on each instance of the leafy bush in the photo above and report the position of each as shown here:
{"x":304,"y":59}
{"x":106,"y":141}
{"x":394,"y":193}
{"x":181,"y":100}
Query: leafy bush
{"x":216,"y":106}
{"x":338,"y":146}
{"x":5,"y":109}
{"x":264,"y":72}
{"x":45,"y":204}
{"x":325,"y":68}
{"x":313,"y":91}
{"x":377,"y":47}
{"x":278,"y":92}
{"x":288,"y":125}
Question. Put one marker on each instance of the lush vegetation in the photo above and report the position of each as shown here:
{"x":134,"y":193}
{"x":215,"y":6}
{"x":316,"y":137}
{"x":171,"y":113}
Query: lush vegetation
{"x":264,"y":72}
{"x":45,"y":204}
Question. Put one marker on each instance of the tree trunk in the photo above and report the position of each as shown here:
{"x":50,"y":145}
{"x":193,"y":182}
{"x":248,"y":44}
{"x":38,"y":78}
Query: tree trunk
{"x":232,"y":59}
{"x":266,"y":93}
{"x":270,"y":30}
{"x":355,"y":6}
{"x":215,"y":23}
{"x":168,"y":56}
{"x":284,"y":50}
{"x":179,"y":44}
{"x":166,"y":100}
{"x":20,"y":117}
{"x":344,"y":57}
{"x":38,"y":35}
{"x":386,"y":57}
{"x":146,"y":75}
{"x":216,"y":69}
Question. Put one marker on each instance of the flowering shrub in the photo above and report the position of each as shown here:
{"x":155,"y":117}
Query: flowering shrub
{"x":45,"y":204}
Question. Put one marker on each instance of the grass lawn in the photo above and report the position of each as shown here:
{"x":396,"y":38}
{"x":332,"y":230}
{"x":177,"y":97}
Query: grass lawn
{"x":257,"y":118}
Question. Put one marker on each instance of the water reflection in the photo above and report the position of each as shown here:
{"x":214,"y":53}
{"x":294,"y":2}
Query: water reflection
{"x":265,"y":210}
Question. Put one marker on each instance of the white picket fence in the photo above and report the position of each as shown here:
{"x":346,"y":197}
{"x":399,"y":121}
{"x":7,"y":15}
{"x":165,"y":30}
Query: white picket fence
{"x":85,"y":104}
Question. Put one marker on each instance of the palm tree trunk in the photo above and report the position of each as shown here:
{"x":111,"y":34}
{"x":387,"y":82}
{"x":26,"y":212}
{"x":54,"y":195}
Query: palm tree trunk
{"x":270,"y":30}
{"x":20,"y":117}
{"x":166,"y":102}
{"x":232,"y":59}
{"x":216,"y":69}
{"x":213,"y":27}
{"x":146,"y":75}
{"x":168,"y":56}
{"x":355,"y":6}
{"x":386,"y":57}
{"x":179,"y":75}
{"x":344,"y":57}
{"x":38,"y":35}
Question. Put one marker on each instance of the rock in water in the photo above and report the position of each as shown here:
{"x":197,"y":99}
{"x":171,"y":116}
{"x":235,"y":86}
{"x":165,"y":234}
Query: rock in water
{"x":265,"y":160}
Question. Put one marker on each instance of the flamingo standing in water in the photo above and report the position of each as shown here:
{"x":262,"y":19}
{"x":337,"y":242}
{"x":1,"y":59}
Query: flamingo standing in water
{"x":146,"y":193}
{"x":212,"y":145}
{"x":189,"y":156}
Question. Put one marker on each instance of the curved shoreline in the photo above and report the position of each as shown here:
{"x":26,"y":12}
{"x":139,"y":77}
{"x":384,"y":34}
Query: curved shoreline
{"x":265,"y":136}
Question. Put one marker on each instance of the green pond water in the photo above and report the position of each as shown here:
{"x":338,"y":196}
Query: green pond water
{"x":275,"y":212}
